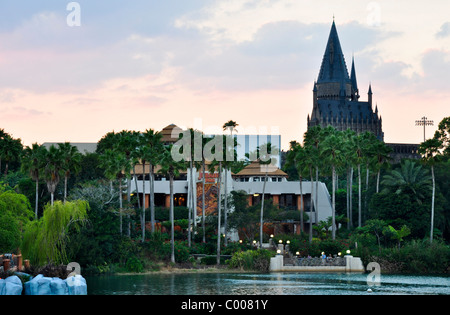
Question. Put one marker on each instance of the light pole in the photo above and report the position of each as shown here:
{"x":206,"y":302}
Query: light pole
{"x":424,"y":122}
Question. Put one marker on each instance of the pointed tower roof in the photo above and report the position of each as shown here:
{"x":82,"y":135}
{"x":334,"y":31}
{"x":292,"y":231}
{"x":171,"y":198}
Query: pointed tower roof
{"x":333,"y":67}
{"x":353,"y":76}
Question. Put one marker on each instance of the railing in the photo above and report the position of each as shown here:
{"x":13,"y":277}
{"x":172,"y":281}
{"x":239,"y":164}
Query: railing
{"x":317,"y":261}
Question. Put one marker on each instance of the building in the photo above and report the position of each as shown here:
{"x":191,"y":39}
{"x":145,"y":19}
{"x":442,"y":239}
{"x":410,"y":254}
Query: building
{"x":336,"y":99}
{"x":284,"y":193}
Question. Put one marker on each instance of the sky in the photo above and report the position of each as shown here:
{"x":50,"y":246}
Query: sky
{"x":73,"y":71}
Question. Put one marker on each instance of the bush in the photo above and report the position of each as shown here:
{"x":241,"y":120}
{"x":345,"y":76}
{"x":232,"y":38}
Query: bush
{"x":252,"y":260}
{"x":417,"y":256}
{"x":134,"y":265}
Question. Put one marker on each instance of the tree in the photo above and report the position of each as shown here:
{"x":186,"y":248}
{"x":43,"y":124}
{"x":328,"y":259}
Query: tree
{"x":230,"y":126}
{"x":359,"y":152}
{"x":331,"y":151}
{"x":381,"y":156}
{"x":45,"y":239}
{"x":377,"y":227}
{"x":171,"y":168}
{"x":15,"y":214}
{"x":349,"y":156}
{"x":266,"y":158}
{"x":430,"y":151}
{"x":115,"y":165}
{"x":312,"y":139}
{"x":296,"y":158}
{"x":398,"y":235}
{"x":71,"y":159}
{"x":33,"y":163}
{"x":52,"y":170}
{"x":410,"y":178}
{"x":10,"y":150}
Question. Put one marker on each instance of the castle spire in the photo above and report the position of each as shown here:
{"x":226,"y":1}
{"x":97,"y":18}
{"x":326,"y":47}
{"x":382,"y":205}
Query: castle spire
{"x":353,"y":77}
{"x":333,"y":68}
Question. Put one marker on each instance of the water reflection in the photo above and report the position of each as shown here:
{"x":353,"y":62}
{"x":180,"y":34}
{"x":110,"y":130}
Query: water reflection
{"x":263,"y":284}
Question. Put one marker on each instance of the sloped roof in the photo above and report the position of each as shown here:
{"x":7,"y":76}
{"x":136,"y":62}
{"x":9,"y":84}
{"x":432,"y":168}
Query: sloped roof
{"x":170,"y":133}
{"x":256,"y":169}
{"x":333,"y":68}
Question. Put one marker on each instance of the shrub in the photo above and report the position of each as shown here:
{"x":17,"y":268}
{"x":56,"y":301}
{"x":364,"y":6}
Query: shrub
{"x":255,"y":260}
{"x":134,"y":265}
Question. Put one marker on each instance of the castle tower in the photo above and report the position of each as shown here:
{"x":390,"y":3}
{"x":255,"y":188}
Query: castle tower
{"x":336,"y":94}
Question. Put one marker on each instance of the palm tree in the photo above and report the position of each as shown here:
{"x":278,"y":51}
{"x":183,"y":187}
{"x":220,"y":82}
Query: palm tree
{"x":143,"y":152}
{"x":71,"y":159}
{"x":349,"y":157}
{"x":116,"y":165}
{"x":205,"y":141}
{"x":411,"y":178}
{"x":310,"y":162}
{"x":153,"y":141}
{"x":231,"y":126}
{"x":331,"y":151}
{"x":52,"y":170}
{"x":430,"y":150}
{"x":33,"y":163}
{"x":266,"y":154}
{"x":171,"y":168}
{"x":382,"y":157}
{"x":11,"y":149}
{"x":313,"y":138}
{"x":296,"y":158}
{"x":359,"y":150}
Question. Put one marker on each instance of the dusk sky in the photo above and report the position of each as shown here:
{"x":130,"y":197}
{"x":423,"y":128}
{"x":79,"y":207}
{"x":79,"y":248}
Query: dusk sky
{"x":144,"y":64}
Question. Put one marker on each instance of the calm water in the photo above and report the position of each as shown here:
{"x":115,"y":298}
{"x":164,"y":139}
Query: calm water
{"x":265,"y":284}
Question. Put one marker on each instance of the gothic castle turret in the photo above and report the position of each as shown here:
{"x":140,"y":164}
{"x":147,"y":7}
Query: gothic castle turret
{"x":336,"y":95}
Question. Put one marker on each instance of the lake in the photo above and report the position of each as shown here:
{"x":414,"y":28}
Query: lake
{"x":265,"y":284}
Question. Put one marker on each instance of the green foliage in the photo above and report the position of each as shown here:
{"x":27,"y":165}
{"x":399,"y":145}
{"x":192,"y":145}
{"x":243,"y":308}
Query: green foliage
{"x":45,"y":239}
{"x":15,"y":212}
{"x":416,"y":256}
{"x":10,"y":236}
{"x":134,"y":265}
{"x":251,"y":260}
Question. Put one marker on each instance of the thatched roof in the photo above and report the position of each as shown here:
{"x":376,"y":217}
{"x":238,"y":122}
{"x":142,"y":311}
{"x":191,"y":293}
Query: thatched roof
{"x":170,"y":133}
{"x":257,"y":169}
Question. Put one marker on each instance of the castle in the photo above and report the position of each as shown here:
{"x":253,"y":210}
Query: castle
{"x":336,"y":95}
{"x":336,"y":100}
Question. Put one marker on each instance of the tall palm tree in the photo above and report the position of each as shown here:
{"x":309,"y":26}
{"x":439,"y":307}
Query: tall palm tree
{"x":11,"y":150}
{"x":310,"y":162}
{"x":71,"y":159}
{"x":229,"y":152}
{"x":143,"y":152}
{"x":153,"y":141}
{"x":266,"y":158}
{"x":296,"y":158}
{"x":382,"y":158}
{"x":359,"y":150}
{"x":116,"y":165}
{"x":430,"y":150}
{"x":349,"y":157}
{"x":171,"y":168}
{"x":32,"y":163}
{"x":52,"y":170}
{"x":313,"y":138}
{"x":331,"y":151}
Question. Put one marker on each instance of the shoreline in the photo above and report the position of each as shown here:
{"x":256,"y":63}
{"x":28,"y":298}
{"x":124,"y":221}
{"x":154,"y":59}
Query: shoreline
{"x":175,"y":270}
